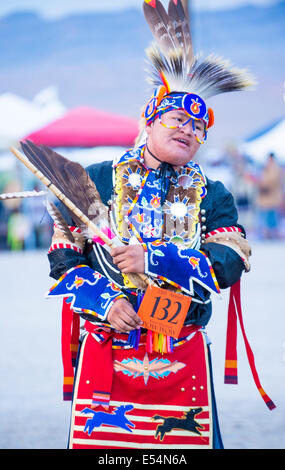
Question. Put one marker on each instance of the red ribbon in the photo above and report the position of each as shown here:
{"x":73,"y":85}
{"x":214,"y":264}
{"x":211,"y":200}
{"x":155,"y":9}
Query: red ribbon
{"x":69,"y":347}
{"x":234,"y":313}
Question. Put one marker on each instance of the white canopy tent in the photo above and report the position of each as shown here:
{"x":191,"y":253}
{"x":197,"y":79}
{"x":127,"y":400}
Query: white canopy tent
{"x":271,"y":139}
{"x":19,"y":116}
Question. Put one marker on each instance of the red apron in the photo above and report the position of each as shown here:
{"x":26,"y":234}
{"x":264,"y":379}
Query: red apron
{"x":130,"y":399}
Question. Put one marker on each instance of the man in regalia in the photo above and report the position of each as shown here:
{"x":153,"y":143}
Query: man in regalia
{"x":142,"y":290}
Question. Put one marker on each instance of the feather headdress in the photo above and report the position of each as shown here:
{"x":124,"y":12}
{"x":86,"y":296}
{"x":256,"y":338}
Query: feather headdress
{"x":205,"y":77}
{"x":175,"y":67}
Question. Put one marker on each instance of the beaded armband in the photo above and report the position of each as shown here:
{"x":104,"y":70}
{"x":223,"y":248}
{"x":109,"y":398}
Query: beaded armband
{"x":60,"y":240}
{"x":234,"y":238}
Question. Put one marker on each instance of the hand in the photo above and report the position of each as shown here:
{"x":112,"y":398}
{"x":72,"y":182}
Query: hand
{"x":129,"y":258}
{"x":122,"y":316}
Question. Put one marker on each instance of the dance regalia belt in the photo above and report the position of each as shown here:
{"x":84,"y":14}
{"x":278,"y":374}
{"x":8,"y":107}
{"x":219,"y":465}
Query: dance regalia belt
{"x":70,"y":336}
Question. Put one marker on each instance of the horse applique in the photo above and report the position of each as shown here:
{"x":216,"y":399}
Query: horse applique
{"x":116,"y":418}
{"x":187,"y":422}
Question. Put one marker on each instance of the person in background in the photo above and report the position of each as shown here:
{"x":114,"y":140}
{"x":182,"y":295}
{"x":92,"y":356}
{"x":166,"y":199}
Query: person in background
{"x":269,"y":199}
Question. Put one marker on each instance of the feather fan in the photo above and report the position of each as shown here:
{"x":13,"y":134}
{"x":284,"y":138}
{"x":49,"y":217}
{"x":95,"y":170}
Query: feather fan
{"x":70,"y":178}
{"x":73,"y":186}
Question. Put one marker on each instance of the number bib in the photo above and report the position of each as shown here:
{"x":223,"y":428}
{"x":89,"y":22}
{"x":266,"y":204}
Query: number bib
{"x":164,"y":311}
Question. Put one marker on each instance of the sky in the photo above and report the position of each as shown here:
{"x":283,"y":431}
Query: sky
{"x":60,"y":8}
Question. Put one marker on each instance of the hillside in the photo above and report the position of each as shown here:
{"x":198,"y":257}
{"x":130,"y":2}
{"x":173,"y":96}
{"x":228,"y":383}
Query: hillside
{"x":98,"y":59}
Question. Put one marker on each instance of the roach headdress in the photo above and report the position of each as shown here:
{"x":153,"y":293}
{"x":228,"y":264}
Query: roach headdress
{"x":182,"y":79}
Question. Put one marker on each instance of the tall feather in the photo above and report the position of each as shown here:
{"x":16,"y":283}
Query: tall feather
{"x":181,"y":26}
{"x":160,"y":25}
{"x":185,"y":4}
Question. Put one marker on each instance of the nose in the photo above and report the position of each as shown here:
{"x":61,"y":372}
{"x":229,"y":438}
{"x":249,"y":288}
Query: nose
{"x":187,"y":129}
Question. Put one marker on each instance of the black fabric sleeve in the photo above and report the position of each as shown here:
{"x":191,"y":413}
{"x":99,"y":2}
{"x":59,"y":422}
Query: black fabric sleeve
{"x":227,"y":264}
{"x":63,"y":259}
{"x":220,"y":207}
{"x":220,"y":212}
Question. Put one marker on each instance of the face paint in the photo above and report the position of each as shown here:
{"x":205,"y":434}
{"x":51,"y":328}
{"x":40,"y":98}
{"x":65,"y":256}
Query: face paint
{"x":177,"y":118}
{"x":191,"y":107}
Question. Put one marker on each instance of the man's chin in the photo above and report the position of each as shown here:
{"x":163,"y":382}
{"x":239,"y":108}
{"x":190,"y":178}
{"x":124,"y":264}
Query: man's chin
{"x":179,"y":161}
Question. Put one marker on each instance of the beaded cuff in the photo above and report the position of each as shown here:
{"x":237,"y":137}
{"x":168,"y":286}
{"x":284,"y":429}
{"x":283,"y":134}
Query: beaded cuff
{"x":232,"y":237}
{"x":60,"y":240}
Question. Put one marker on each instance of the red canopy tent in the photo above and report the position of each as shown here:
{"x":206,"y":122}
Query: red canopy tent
{"x":87,"y":127}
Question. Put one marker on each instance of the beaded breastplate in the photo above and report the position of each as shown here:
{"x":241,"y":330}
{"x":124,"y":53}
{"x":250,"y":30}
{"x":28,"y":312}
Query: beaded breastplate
{"x":137,"y":208}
